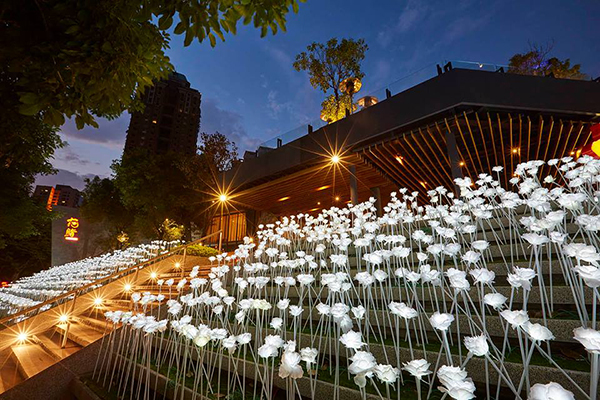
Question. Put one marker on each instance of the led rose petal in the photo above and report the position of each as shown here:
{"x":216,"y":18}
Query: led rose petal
{"x":537,"y":332}
{"x":417,"y":368}
{"x":535,"y":239}
{"x":276,"y":323}
{"x":477,"y":345}
{"x":352,"y":340}
{"x":589,"y":338}
{"x":309,"y":355}
{"x":386,"y":373}
{"x":441,"y":321}
{"x":515,"y":318}
{"x":550,"y":391}
{"x":495,"y":300}
{"x":290,"y":365}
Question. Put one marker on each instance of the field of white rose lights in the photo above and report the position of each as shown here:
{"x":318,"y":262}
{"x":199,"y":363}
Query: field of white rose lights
{"x":290,"y":305}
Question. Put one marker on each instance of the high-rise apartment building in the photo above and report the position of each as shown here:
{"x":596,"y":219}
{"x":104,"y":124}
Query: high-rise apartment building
{"x":170,"y":120}
{"x":61,"y":195}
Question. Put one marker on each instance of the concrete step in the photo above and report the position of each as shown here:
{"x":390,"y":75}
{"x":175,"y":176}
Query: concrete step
{"x":31,"y":358}
{"x":51,"y":342}
{"x":9,"y":373}
{"x":79,"y":333}
{"x":561,"y":294}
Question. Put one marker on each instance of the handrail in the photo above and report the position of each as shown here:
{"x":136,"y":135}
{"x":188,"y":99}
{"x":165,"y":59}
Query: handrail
{"x":102,"y":280}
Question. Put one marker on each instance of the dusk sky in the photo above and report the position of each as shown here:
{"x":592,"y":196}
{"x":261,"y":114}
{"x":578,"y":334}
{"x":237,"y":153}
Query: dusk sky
{"x":251,"y":92}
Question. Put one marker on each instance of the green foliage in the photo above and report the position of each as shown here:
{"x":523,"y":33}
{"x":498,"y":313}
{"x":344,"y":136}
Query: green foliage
{"x":156,"y":196}
{"x":103,"y":208}
{"x":87,"y":58}
{"x":328,"y":65}
{"x":201,"y":251}
{"x":332,"y":110}
{"x":170,"y":230}
{"x":536,"y":62}
{"x":217,"y":151}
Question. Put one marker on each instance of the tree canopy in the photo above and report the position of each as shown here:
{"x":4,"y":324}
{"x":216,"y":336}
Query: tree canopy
{"x":538,"y":62}
{"x":88,"y":58}
{"x":329,"y":64}
{"x":157,"y":195}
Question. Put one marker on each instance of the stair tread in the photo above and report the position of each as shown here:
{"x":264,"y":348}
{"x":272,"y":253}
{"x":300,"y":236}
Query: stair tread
{"x":80,"y":333}
{"x":31,"y":358}
{"x":53,"y":344}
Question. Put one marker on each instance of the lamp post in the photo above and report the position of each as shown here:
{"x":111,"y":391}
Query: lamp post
{"x":222,"y":200}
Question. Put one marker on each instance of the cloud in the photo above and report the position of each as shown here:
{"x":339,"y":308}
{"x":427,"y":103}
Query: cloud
{"x":111,"y":133}
{"x":412,"y":13}
{"x":67,"y":155}
{"x":229,"y":123}
{"x":64,"y":177}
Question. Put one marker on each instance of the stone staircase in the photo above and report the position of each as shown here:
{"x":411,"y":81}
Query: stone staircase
{"x":567,"y":353}
{"x":38,"y":340}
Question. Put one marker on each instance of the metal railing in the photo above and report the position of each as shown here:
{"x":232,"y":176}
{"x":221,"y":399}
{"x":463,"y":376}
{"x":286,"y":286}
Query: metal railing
{"x":404,"y":83}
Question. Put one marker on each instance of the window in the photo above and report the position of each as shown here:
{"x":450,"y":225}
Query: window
{"x":234,"y":227}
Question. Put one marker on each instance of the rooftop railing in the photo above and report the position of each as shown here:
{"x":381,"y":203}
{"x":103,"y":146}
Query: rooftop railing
{"x":406,"y":82}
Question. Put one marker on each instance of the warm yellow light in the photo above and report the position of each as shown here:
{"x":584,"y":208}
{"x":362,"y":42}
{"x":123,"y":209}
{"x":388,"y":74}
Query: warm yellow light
{"x":462,"y":163}
{"x":223,"y":198}
{"x":572,"y":153}
{"x":178,"y":265}
{"x":21,"y":337}
{"x":313,"y":209}
{"x":515,"y":150}
{"x":423,"y":183}
{"x":318,"y":203}
{"x":335,"y":159}
{"x":400,"y":159}
{"x":337,"y":198}
{"x":63,"y":318}
{"x":322,"y":188}
{"x":153,"y":275}
{"x":127,"y":287}
{"x":284,"y":198}
{"x":98,"y":301}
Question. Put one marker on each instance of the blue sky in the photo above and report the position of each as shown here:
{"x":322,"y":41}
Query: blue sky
{"x":251,"y":93}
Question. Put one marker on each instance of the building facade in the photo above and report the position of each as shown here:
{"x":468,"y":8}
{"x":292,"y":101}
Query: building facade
{"x":457,"y":124}
{"x":170,"y":120}
{"x":61,"y":195}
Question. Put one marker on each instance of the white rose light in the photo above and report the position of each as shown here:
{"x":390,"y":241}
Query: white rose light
{"x":352,"y":340}
{"x":477,"y":345}
{"x":550,"y":391}
{"x":441,"y":321}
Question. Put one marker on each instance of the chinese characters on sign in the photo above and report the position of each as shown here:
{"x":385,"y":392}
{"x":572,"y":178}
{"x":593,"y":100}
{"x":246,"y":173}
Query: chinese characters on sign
{"x":72,"y":227}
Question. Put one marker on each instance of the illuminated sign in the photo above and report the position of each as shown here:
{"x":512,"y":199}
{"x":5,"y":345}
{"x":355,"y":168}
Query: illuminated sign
{"x":72,"y":227}
{"x":593,"y":147}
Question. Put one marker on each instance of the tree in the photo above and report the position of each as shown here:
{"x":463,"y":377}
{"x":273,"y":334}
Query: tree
{"x":154,"y":188}
{"x":329,"y":64}
{"x":218,"y":151}
{"x":537,"y":62}
{"x":85,"y":58}
{"x":26,"y":146}
{"x":332,"y":110}
{"x":104,"y":210}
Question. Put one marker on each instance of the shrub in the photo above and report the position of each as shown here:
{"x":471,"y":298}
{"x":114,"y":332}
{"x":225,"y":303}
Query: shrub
{"x":201,"y":251}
